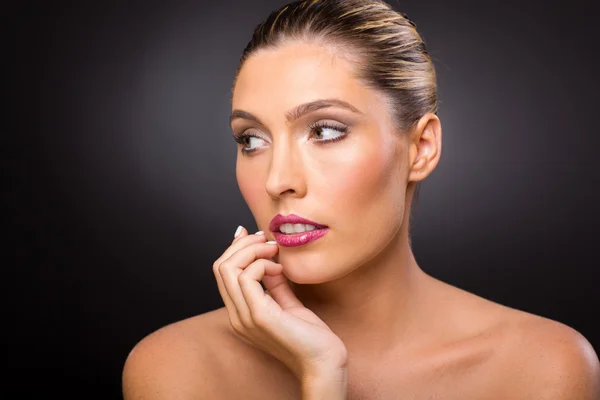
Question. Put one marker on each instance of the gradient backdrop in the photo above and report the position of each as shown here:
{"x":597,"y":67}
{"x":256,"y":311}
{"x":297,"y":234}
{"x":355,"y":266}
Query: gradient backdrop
{"x":121,"y":170}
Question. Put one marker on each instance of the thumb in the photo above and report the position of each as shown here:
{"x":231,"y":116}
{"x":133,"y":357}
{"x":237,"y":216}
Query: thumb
{"x":280,"y":290}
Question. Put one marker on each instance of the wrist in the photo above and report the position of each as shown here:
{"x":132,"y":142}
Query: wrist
{"x":326,"y":385}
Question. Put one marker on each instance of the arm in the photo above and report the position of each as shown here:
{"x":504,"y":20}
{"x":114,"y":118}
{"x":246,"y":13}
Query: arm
{"x":326,"y":386}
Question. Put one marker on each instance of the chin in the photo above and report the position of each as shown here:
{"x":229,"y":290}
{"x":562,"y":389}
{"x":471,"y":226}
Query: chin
{"x":306,"y":269}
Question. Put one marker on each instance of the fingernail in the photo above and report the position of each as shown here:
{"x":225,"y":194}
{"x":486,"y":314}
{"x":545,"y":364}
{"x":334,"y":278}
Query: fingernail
{"x":271,"y":242}
{"x":259,"y":233}
{"x":237,"y":231}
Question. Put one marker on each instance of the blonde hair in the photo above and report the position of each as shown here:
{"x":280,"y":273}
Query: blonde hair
{"x":391,"y":55}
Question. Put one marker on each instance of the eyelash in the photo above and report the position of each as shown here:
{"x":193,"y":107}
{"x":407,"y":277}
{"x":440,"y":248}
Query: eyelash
{"x":317,"y":125}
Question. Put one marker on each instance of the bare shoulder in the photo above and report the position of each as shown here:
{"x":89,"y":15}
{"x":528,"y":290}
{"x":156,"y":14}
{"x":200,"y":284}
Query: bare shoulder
{"x":528,"y":356}
{"x":546,"y":359}
{"x":178,"y":360}
{"x":200,"y":357}
{"x":533,"y":356}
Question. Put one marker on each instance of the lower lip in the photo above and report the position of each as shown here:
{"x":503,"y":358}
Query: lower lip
{"x":299,"y":239}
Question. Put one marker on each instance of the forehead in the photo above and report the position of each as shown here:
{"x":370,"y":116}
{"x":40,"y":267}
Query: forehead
{"x":294,"y":73}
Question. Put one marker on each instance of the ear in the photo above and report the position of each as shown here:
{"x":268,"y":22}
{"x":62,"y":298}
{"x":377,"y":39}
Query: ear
{"x":424,"y":147}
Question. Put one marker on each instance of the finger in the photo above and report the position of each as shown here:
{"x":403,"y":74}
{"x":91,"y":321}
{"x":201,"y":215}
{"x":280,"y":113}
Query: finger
{"x":240,"y":234}
{"x":280,"y":290}
{"x":260,"y":304}
{"x":241,"y":241}
{"x":234,"y":318}
{"x":234,"y":265}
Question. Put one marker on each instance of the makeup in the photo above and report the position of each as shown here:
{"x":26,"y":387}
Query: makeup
{"x":299,"y":239}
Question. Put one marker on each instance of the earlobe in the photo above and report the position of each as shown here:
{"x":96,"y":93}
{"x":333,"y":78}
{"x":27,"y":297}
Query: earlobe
{"x":425,"y":145}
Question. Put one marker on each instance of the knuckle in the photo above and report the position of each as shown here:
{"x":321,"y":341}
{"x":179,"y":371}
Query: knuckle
{"x":244,"y":278}
{"x":223,"y":267}
{"x":237,"y":326}
{"x":261,"y":319}
{"x":247,"y":322}
{"x":267,"y":262}
{"x":261,"y":262}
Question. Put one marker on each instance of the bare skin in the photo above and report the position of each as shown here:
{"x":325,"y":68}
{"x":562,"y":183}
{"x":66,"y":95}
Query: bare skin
{"x":518,"y":356}
{"x":407,"y":335}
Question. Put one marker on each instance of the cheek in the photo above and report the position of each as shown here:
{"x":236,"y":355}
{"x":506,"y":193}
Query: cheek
{"x":250,"y":186}
{"x":365,"y":180}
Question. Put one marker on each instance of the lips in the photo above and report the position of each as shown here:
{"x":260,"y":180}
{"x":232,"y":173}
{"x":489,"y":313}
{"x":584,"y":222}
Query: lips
{"x":291,"y":219}
{"x":299,"y":239}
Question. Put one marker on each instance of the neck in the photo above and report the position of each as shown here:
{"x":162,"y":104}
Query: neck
{"x":373,"y":307}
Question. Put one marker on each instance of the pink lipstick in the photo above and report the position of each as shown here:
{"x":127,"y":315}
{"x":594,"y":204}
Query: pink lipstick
{"x":298,"y":239}
{"x":291,"y":238}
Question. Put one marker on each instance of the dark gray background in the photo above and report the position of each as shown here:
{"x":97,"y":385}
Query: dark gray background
{"x":122,"y":192}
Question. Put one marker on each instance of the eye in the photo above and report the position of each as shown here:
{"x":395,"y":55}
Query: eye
{"x":246,"y":140}
{"x":324,"y":132}
{"x":328,"y":132}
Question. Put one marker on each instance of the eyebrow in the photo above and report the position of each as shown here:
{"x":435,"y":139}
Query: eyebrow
{"x":298,"y":111}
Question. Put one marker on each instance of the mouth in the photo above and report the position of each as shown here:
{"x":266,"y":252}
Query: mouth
{"x":293,"y":224}
{"x":292,"y":230}
{"x":299,"y":239}
{"x":296,"y":229}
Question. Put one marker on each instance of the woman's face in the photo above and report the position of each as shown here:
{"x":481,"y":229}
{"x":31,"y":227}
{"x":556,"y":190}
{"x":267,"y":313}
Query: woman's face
{"x":355,"y":184}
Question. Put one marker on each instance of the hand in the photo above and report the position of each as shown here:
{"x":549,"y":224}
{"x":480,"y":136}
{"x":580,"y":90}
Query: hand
{"x":275,"y":321}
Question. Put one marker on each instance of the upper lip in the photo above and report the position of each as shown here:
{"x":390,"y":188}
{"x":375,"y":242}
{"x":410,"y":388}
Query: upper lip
{"x":279,"y":220}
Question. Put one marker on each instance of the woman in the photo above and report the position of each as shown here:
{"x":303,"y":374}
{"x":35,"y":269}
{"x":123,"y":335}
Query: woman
{"x":334,"y":111}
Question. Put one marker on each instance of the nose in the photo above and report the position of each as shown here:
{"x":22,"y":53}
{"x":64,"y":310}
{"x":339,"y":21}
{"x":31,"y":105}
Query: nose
{"x":285,"y":175}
